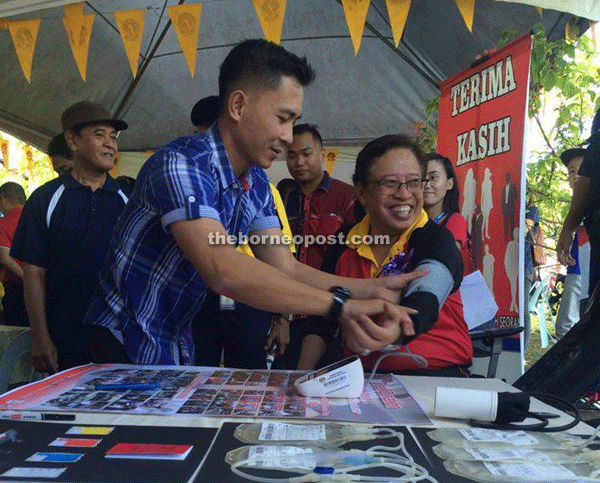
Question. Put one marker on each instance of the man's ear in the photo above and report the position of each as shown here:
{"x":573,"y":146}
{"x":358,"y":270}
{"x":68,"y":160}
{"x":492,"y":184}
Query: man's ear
{"x":70,"y":139}
{"x":236,"y":104}
{"x":361,"y":194}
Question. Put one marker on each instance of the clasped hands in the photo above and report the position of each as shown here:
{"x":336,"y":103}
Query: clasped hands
{"x":372,"y":324}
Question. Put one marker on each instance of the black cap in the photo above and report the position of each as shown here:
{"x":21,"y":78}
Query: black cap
{"x":205,"y":111}
{"x":85,"y":112}
{"x":569,"y":154}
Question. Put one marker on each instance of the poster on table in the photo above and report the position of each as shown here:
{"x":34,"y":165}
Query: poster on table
{"x":206,"y":391}
{"x":481,"y":129}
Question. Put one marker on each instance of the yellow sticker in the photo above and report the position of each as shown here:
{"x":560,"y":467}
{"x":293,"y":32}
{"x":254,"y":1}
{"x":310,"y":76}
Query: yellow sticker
{"x":96,"y":430}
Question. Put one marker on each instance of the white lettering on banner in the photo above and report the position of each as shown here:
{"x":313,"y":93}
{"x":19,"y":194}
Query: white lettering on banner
{"x":489,"y":140}
{"x":488,"y":84}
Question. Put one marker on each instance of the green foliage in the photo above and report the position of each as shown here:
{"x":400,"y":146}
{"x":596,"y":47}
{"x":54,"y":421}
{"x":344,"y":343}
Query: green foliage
{"x":564,"y":89}
{"x":427,"y":133}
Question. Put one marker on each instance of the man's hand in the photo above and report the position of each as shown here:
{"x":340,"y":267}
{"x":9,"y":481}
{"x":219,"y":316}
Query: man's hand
{"x":563,"y":248}
{"x":43,"y":354}
{"x":280,"y":334}
{"x":389,"y":289}
{"x":362,"y":333}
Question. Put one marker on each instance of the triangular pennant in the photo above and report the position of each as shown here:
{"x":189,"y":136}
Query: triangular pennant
{"x":567,"y":29}
{"x":79,"y":31}
{"x":186,"y":22}
{"x":356,"y":16}
{"x":467,"y":9}
{"x":24,"y":34}
{"x":74,"y":10}
{"x":29,"y":157}
{"x":398,"y":12}
{"x":48,"y":163}
{"x":270,"y":14}
{"x":115,"y":171}
{"x":540,"y":10}
{"x":331,"y":155}
{"x":4,"y":152}
{"x":131,"y":27}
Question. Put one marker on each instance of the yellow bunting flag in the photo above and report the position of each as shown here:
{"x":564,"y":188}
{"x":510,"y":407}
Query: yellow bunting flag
{"x":467,"y":9}
{"x":331,"y":155}
{"x":356,"y":16}
{"x":79,"y":30}
{"x":270,"y":14}
{"x":540,"y":10}
{"x":186,"y":22}
{"x":48,"y":162}
{"x":131,"y":27}
{"x":74,"y":10}
{"x":24,"y":34}
{"x":29,"y":157}
{"x":115,"y":171}
{"x":398,"y":12}
{"x":4,"y":152}
{"x":3,"y":24}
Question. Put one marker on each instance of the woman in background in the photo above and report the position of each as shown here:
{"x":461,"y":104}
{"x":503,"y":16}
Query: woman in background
{"x":440,"y":198}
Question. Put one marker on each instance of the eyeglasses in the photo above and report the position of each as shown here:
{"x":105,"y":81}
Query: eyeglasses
{"x":392,"y":186}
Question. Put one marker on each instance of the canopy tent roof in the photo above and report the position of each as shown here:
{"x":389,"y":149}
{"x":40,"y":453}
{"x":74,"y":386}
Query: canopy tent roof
{"x":353,"y":99}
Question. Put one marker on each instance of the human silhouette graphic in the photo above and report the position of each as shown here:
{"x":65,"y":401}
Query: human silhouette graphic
{"x":487,"y":202}
{"x":509,"y":208}
{"x":469,"y":194}
{"x":511,"y":257}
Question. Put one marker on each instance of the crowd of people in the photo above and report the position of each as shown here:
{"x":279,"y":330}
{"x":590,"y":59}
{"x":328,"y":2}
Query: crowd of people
{"x":202,"y":261}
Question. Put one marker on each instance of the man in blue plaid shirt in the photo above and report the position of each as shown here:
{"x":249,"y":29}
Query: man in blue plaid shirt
{"x":173,"y":238}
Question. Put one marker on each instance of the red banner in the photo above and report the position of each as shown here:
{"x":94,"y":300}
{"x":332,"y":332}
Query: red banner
{"x":481,"y":129}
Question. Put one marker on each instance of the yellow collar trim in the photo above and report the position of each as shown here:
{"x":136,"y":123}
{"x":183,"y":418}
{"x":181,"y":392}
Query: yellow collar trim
{"x":362,"y":228}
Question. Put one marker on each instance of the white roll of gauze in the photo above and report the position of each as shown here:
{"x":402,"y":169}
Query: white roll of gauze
{"x":457,"y":403}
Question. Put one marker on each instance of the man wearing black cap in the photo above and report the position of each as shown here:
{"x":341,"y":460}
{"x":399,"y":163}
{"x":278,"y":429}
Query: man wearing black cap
{"x":585,"y":206}
{"x":205,"y":113}
{"x":60,"y":154}
{"x":573,"y":292}
{"x":63,"y":236}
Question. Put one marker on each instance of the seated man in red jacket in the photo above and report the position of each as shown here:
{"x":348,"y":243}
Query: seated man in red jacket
{"x":397,"y":237}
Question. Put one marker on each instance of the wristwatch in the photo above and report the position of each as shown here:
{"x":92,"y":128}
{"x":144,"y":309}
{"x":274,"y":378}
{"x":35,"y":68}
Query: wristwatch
{"x":340,"y":295}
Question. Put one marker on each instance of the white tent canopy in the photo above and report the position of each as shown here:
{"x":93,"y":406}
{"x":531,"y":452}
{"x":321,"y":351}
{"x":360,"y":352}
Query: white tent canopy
{"x":353,"y":99}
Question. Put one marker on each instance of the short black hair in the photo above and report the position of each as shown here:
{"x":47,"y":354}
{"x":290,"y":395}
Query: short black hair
{"x":450,"y":204}
{"x":205,"y":111}
{"x":58,"y":147}
{"x":260,"y":63}
{"x":311,"y":128}
{"x":13,"y":192}
{"x":377,"y":148}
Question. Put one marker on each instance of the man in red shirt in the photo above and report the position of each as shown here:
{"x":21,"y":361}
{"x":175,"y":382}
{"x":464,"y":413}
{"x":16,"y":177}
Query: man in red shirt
{"x":320,"y":205}
{"x":12,"y":199}
{"x":316,"y":207}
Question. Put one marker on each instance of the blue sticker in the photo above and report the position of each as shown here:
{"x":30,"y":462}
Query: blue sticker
{"x":56,"y":457}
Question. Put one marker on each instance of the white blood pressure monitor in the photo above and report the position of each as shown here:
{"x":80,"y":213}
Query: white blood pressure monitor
{"x":340,"y":379}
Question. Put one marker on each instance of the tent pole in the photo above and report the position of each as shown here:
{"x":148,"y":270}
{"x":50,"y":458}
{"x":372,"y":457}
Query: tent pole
{"x":144,"y":66}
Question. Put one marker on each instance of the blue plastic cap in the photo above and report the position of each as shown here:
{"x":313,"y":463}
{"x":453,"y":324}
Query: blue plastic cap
{"x":323,"y":470}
